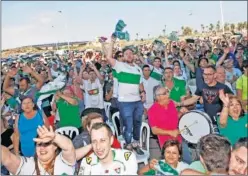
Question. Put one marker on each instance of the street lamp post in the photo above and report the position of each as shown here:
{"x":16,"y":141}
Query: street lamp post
{"x":66,"y":28}
{"x":222,"y":17}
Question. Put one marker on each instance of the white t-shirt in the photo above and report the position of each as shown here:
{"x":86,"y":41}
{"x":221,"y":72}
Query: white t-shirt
{"x":156,"y":74}
{"x":124,"y":163}
{"x":129,"y":79}
{"x":93,"y":94}
{"x":115,"y":87}
{"x":61,"y":166}
{"x":148,"y":86}
{"x":180,"y":167}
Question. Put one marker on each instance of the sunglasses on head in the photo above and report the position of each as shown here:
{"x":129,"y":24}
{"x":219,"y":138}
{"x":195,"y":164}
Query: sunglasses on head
{"x":44,"y":144}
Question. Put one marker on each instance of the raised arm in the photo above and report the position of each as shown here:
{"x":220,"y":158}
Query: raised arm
{"x":99,"y":76}
{"x":187,"y":63}
{"x":49,"y":74}
{"x":36,"y":76}
{"x":6,"y":84}
{"x":109,"y":52}
{"x":81,"y":152}
{"x":9,"y":160}
{"x":223,"y":57}
{"x":64,"y":143}
{"x":224,"y":113}
{"x":70,"y":100}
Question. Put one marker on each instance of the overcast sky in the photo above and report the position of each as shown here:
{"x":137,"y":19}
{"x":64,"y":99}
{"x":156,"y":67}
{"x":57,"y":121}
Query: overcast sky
{"x":30,"y":22}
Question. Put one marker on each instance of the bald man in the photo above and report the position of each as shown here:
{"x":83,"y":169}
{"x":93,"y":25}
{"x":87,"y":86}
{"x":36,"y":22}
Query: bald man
{"x":221,"y":77}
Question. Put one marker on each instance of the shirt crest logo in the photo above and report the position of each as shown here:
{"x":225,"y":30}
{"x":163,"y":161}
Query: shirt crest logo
{"x":88,"y":160}
{"x":127,"y":155}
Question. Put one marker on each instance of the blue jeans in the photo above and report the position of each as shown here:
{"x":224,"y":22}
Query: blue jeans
{"x":131,"y":116}
{"x":187,"y":158}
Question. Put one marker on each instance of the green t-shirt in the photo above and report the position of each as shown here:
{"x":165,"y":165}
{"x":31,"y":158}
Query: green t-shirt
{"x":69,"y":114}
{"x":197,"y":166}
{"x":214,"y":57}
{"x":234,"y":129}
{"x":242,"y":85}
{"x":12,"y":102}
{"x":178,"y":90}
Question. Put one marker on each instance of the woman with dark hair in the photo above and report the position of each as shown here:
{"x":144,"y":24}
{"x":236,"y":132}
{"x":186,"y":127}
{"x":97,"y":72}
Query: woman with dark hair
{"x":25,"y":127}
{"x":232,"y":122}
{"x":172,"y":153}
{"x":48,"y":159}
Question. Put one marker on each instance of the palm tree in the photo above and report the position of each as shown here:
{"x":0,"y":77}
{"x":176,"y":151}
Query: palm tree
{"x":137,"y":35}
{"x":240,"y":26}
{"x":187,"y":31}
{"x":232,"y":26}
{"x":211,"y":26}
{"x":202,"y":26}
{"x":245,"y":25}
{"x":218,"y":26}
{"x":195,"y":32}
{"x":148,"y":36}
{"x":226,"y":27}
{"x":207,"y":28}
{"x":164,"y":32}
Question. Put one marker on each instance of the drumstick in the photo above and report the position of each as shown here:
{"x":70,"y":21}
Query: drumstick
{"x":195,"y":122}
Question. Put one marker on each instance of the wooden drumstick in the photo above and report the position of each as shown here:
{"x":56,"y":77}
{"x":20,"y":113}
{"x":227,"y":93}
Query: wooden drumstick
{"x":195,"y":122}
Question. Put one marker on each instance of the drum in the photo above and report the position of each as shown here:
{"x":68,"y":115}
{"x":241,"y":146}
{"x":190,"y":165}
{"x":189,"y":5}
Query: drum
{"x":195,"y":124}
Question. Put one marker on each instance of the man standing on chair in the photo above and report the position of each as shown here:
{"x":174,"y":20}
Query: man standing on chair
{"x":131,"y":94}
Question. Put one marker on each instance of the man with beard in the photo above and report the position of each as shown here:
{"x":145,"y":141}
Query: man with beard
{"x":25,"y":87}
{"x":131,"y":94}
{"x":105,"y":160}
{"x":210,"y":94}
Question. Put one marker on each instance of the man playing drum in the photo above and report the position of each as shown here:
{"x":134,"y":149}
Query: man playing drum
{"x":209,"y":93}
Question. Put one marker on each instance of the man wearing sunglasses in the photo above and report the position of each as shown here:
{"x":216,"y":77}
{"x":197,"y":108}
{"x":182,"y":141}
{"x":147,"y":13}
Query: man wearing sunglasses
{"x":48,"y":159}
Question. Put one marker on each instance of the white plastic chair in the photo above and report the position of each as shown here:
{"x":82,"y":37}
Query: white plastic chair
{"x":144,"y":143}
{"x":115,"y":118}
{"x":68,"y":131}
{"x":107,"y":109}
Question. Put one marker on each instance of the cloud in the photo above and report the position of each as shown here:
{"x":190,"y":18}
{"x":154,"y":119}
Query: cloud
{"x":37,"y":30}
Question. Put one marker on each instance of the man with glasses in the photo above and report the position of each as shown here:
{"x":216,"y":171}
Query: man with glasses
{"x":209,"y":93}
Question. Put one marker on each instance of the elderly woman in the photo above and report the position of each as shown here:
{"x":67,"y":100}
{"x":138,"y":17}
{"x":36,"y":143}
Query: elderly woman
{"x":172,"y":153}
{"x":48,"y":159}
{"x":232,"y":122}
{"x":25,"y":127}
{"x":163,"y":119}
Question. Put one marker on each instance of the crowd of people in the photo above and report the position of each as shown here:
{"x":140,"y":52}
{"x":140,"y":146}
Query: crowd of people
{"x":145,"y":84}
